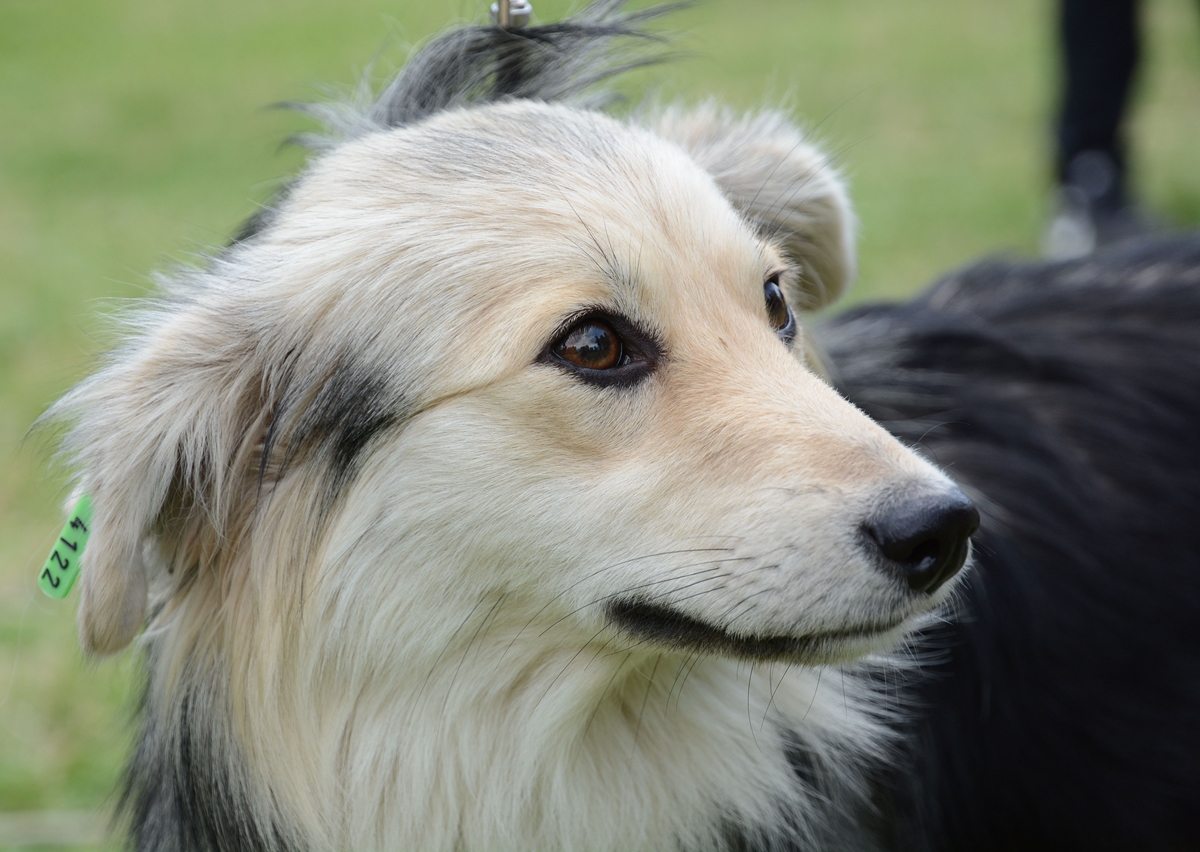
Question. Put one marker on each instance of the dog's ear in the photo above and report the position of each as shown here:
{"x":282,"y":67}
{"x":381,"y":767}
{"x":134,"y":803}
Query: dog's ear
{"x":781,"y":183}
{"x":159,"y":437}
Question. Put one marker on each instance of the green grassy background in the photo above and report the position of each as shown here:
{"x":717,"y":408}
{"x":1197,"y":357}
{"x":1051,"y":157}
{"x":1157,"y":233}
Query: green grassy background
{"x":133,"y":135}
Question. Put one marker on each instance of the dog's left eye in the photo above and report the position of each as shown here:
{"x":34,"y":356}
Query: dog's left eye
{"x":778,"y":312}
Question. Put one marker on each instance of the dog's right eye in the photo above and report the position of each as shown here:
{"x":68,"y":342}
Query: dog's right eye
{"x":604,"y":349}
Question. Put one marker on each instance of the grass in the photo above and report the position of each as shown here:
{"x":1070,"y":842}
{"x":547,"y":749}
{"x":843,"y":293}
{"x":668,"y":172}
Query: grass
{"x":135,"y":136}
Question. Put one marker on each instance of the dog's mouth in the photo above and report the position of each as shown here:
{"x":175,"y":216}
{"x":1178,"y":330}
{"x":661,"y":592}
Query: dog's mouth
{"x":653,"y":622}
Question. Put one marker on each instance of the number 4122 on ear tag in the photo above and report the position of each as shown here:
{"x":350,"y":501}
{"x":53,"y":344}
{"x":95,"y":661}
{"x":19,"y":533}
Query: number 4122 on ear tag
{"x":62,"y":566}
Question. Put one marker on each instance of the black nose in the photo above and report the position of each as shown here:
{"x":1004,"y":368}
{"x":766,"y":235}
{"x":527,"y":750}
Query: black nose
{"x":925,"y":539}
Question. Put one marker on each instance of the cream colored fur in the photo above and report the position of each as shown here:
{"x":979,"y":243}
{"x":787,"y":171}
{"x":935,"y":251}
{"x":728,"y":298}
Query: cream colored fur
{"x":418,"y":656}
{"x":781,"y":183}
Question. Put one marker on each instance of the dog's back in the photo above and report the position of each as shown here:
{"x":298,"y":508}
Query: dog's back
{"x":1060,"y":706}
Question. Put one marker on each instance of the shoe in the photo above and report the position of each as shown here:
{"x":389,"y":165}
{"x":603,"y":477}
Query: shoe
{"x":1091,"y":209}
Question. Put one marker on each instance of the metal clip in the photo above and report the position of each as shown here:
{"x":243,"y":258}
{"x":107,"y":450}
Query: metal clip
{"x":512,"y":14}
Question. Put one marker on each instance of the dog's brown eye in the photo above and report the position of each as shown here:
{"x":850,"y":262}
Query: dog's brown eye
{"x":778,"y":312}
{"x":592,"y":345}
{"x":777,"y":308}
{"x":604,"y":349}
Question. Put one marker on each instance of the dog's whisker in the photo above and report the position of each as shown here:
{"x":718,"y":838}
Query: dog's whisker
{"x":642,"y":710}
{"x":813,"y":699}
{"x":596,"y":573}
{"x":446,"y":647}
{"x":683,"y":661}
{"x":771,"y":699}
{"x":675,"y":590}
{"x":625,"y":591}
{"x":697,"y":660}
{"x":563,"y":671}
{"x":599,"y":651}
{"x":638,"y":644}
{"x":728,"y":618}
{"x":494,"y":616}
{"x":454,"y":678}
{"x":722,"y":587}
{"x":729,"y":536}
{"x":749,"y":717}
{"x":604,"y":694}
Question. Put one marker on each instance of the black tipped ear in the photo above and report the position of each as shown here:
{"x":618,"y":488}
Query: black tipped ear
{"x":782,"y":184}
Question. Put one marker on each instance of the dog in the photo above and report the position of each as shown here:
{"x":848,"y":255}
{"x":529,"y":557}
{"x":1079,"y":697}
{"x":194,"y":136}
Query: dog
{"x":1057,"y":708}
{"x":486,"y":493}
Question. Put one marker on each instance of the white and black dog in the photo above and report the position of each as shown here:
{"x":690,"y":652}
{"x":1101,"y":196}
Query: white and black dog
{"x":466,"y":506}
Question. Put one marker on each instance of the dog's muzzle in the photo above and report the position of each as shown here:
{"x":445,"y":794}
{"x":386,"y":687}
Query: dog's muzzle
{"x":919,"y":540}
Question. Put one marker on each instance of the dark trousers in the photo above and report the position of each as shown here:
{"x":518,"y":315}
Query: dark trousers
{"x":1100,"y":40}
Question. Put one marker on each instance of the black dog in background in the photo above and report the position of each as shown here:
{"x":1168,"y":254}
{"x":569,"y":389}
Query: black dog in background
{"x":1061,"y":707}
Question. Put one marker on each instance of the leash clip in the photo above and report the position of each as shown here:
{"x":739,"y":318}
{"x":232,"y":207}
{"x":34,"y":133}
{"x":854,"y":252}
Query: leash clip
{"x":511,"y":14}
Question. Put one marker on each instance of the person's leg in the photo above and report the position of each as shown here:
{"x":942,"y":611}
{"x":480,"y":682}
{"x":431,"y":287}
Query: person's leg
{"x":1100,"y":43}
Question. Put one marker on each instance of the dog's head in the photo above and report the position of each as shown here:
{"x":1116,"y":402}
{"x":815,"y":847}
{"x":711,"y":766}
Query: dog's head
{"x":517,"y":349}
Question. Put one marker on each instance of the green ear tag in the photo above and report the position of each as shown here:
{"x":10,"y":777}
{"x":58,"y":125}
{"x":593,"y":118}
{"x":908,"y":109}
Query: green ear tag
{"x":62,"y":566}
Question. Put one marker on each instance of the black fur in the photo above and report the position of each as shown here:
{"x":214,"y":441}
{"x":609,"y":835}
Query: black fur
{"x":473,"y":65}
{"x":465,"y":66}
{"x":480,"y":64}
{"x":336,"y":414}
{"x":1061,"y":708}
{"x":183,"y":791}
